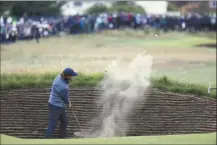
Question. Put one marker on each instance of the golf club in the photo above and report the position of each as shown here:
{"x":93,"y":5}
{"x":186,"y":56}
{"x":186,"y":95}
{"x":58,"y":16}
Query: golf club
{"x":78,"y":122}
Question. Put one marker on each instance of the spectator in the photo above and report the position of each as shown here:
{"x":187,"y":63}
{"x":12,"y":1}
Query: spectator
{"x":36,"y":27}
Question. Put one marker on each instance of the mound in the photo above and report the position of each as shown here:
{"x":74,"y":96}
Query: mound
{"x":24,"y":113}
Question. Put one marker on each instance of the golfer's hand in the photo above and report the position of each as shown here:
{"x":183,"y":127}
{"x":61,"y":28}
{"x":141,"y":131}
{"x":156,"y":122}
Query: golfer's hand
{"x":70,"y":105}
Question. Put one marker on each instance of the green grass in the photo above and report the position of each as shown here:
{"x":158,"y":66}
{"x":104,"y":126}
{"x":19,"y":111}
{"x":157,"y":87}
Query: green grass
{"x":209,"y":138}
{"x":19,"y":81}
{"x":59,"y":52}
{"x":175,"y":56}
{"x":170,"y":40}
{"x":202,"y":75}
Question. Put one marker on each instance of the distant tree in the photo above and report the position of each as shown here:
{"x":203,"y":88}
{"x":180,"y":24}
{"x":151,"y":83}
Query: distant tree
{"x":119,"y":6}
{"x":126,"y":6}
{"x":172,"y":7}
{"x":123,"y":2}
{"x":97,"y":9}
{"x":179,"y":4}
{"x":31,"y":8}
{"x":6,"y":6}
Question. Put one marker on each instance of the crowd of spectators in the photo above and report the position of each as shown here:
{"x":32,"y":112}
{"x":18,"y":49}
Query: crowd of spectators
{"x":28,"y":28}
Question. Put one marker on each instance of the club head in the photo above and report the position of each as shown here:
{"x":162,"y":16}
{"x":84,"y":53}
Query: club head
{"x":79,"y":134}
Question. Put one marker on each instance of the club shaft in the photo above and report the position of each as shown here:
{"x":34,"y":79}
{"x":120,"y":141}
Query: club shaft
{"x":77,"y":121}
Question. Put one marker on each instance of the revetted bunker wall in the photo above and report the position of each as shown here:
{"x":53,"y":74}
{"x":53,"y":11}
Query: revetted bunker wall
{"x":24,"y":113}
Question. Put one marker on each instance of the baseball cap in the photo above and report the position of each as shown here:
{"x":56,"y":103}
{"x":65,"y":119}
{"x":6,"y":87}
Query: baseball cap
{"x":69,"y":72}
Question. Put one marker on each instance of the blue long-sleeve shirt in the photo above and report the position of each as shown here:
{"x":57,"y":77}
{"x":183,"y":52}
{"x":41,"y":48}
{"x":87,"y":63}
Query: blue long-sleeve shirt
{"x":59,"y":95}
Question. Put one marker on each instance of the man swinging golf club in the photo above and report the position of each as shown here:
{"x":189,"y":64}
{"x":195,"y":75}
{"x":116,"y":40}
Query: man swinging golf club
{"x":59,"y":98}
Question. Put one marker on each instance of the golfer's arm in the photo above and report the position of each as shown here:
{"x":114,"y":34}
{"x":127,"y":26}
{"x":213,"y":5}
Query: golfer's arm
{"x":65,"y":96}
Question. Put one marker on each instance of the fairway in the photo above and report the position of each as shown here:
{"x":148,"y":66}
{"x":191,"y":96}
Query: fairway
{"x":175,"y":54}
{"x":196,"y":139}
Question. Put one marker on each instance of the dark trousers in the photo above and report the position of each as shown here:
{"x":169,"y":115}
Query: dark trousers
{"x":57,"y":114}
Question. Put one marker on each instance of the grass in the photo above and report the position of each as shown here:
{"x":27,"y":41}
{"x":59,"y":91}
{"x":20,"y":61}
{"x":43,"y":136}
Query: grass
{"x":200,"y":75}
{"x":19,"y":81}
{"x":176,"y":55}
{"x":209,"y":138}
{"x":54,"y":53}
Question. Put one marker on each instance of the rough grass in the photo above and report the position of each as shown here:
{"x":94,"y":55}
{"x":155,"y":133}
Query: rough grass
{"x":22,"y":81}
{"x":209,"y":138}
{"x":91,"y":53}
{"x":176,"y":55}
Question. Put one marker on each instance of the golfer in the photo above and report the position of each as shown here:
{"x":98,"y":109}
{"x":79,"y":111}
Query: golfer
{"x":58,"y":100}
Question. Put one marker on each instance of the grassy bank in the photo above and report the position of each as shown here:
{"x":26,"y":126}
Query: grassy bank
{"x":209,"y":138}
{"x":19,"y":81}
